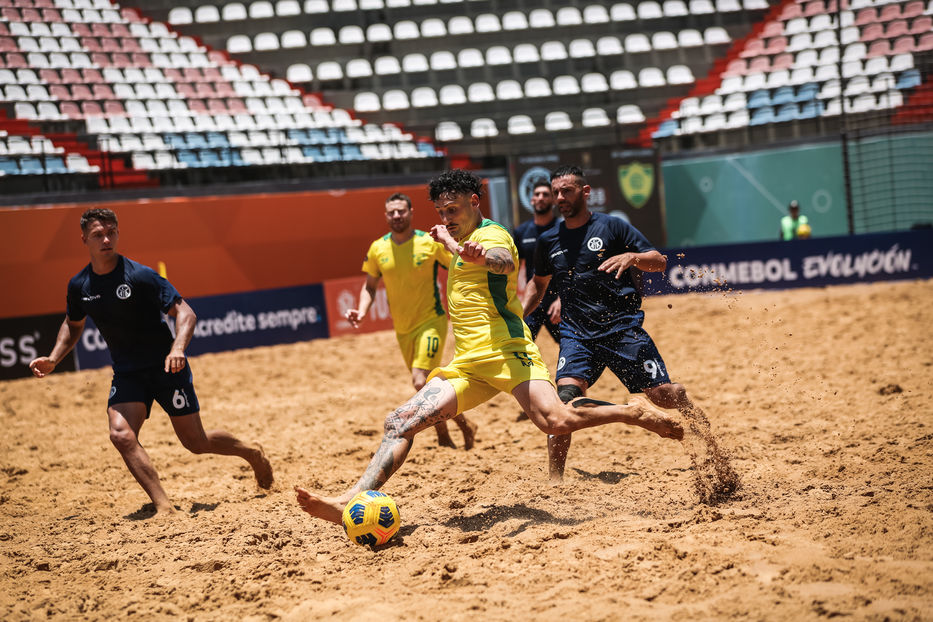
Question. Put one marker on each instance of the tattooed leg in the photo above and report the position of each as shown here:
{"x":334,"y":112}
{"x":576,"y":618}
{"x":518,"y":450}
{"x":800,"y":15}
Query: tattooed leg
{"x":434,"y":403}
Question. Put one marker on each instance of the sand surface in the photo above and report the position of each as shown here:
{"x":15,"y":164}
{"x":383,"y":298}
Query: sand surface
{"x":822,"y":396}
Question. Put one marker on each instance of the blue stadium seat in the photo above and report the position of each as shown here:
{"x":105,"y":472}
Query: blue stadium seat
{"x":188,"y":158}
{"x":208,"y":157}
{"x":811,"y":109}
{"x":908,"y":80}
{"x":762,"y":116}
{"x":786,"y":112}
{"x":313,"y":152}
{"x":31,"y":166}
{"x":759,"y":99}
{"x":783,"y":95}
{"x":332,"y":153}
{"x":807,"y":92}
{"x":317,"y":137}
{"x":195,"y":140}
{"x":667,"y":128}
{"x":175,"y":141}
{"x":352,"y":152}
{"x":8,"y":166}
{"x":217,"y":140}
{"x":55,"y":165}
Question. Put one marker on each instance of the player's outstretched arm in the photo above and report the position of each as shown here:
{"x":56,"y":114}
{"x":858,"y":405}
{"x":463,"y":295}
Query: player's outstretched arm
{"x":651,"y":261}
{"x":68,"y":336}
{"x":367,"y":295}
{"x":185,"y":321}
{"x":442,"y":235}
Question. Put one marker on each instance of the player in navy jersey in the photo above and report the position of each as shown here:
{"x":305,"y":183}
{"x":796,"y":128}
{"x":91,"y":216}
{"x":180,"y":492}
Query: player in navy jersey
{"x":591,"y":256}
{"x":526,"y":238}
{"x":128,"y":302}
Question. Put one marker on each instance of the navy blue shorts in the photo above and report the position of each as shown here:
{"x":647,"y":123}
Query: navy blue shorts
{"x":539,"y":317}
{"x":630,"y":354}
{"x":174,"y":392}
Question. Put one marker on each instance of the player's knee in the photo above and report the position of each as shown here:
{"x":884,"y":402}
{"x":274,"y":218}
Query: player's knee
{"x":671,"y":395}
{"x":393,"y":427}
{"x":122,"y":438}
{"x":552,"y":421}
{"x":567,"y":392}
{"x":196,"y":445}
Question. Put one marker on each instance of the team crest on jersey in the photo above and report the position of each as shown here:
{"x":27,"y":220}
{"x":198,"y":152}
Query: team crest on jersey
{"x":561,"y":362}
{"x":595,"y":244}
{"x":636,"y":180}
{"x":124,"y":291}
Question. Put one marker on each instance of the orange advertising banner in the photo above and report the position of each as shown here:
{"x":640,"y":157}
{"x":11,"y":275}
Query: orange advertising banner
{"x":341,"y":295}
{"x":207,"y":245}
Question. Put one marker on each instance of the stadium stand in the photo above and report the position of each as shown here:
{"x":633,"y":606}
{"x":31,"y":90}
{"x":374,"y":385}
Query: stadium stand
{"x":191,"y":92}
{"x":103,"y":96}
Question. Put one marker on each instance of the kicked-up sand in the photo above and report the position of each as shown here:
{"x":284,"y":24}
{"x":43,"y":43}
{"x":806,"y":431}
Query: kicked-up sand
{"x":821,"y":397}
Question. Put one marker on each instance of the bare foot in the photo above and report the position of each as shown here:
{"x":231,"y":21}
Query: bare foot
{"x":469,"y":432}
{"x":262,"y":469}
{"x":655,"y":420}
{"x":443,"y":436}
{"x":328,"y":508}
{"x":166,"y":511}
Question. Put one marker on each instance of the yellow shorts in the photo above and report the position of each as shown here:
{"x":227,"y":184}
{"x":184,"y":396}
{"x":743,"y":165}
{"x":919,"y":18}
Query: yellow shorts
{"x":478,"y":380}
{"x":423,"y":347}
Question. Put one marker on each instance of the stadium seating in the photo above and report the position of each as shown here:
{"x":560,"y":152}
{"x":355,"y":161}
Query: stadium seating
{"x":111,"y":87}
{"x":799,"y":64}
{"x":201,"y":92}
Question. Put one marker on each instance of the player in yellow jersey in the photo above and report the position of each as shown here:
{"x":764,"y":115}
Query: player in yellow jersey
{"x":407,"y":260}
{"x":494,"y":349}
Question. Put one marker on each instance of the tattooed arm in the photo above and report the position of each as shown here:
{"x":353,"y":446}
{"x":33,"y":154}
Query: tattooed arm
{"x":498,"y":259}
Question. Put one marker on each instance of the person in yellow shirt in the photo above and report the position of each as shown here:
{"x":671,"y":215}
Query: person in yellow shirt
{"x":494,"y":350}
{"x":407,"y":260}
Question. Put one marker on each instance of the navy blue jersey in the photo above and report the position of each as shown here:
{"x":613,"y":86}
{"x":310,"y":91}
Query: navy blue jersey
{"x":593,"y":304}
{"x":127,"y":305}
{"x":526,"y":238}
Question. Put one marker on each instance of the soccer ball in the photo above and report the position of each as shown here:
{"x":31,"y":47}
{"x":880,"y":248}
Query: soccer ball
{"x":371,"y":518}
{"x":803,"y":231}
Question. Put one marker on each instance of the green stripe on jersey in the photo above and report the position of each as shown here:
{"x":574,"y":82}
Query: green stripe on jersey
{"x":497,"y":288}
{"x":438,"y":308}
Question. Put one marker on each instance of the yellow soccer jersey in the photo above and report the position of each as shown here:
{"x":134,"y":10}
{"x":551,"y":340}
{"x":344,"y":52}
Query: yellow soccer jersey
{"x":484,"y":308}
{"x":410,"y":274}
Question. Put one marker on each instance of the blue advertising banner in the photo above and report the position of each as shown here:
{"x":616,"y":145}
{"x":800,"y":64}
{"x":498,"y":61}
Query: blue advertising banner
{"x":231,"y":321}
{"x":25,"y":338}
{"x":800,"y":263}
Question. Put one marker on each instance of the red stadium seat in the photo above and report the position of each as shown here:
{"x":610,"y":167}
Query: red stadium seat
{"x":868,"y":15}
{"x":904,"y":45}
{"x":881,"y":47}
{"x":896,"y":28}
{"x":872,"y":32}
{"x":91,"y":75}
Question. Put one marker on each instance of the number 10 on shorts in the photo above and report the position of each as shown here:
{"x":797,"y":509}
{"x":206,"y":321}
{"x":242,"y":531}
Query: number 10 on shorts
{"x":432,"y":344}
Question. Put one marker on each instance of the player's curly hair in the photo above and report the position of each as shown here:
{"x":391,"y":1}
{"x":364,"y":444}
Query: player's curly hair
{"x":569,"y":169}
{"x":455,"y":182}
{"x":101,"y":214}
